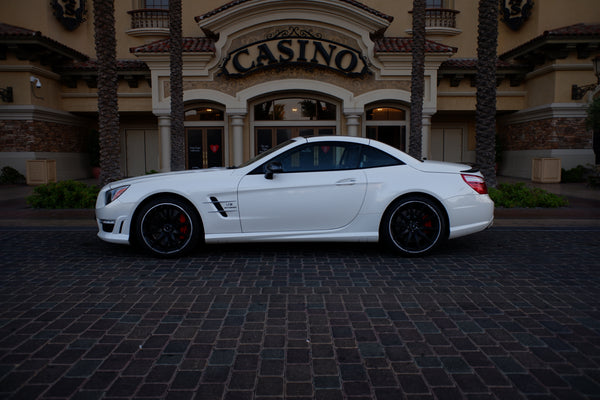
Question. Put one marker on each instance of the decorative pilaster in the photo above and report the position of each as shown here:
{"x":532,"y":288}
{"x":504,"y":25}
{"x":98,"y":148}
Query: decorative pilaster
{"x":352,"y":124}
{"x":426,"y":136}
{"x":164,"y":131}
{"x":237,"y":124}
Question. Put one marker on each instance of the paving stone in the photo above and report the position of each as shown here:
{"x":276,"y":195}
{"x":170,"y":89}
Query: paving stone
{"x":302,"y":321}
{"x":455,"y":365}
{"x":269,"y":386}
{"x":507,"y":364}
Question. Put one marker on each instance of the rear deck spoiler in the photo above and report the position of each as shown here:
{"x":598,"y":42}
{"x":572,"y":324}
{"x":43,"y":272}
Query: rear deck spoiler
{"x":474,"y":168}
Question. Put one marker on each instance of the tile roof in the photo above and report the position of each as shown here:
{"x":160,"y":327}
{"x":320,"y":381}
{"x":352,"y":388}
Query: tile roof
{"x":92,"y":65}
{"x":190,"y":45}
{"x":202,"y":45}
{"x":575,"y":30}
{"x":404,"y":45}
{"x":564,"y":34}
{"x":238,"y":2}
{"x":16,"y":34}
{"x":16,"y":31}
{"x":471,"y":64}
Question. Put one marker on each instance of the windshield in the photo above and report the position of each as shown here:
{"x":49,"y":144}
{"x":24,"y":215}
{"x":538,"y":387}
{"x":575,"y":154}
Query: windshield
{"x":265,"y":153}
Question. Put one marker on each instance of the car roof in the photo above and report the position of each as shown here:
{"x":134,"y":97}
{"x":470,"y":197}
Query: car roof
{"x":337,"y":138}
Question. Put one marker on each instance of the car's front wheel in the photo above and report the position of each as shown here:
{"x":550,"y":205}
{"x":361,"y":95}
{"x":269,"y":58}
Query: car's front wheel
{"x":413,"y":226}
{"x":166,"y":227}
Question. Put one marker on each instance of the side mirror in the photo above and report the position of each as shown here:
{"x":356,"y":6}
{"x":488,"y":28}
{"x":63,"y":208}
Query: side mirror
{"x":272,"y":169}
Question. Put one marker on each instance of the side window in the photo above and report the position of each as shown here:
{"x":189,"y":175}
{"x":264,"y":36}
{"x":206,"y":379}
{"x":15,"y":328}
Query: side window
{"x":372,"y":157}
{"x":322,"y":156}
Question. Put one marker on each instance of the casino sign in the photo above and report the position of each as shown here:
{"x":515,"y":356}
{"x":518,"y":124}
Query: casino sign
{"x":294,"y":48}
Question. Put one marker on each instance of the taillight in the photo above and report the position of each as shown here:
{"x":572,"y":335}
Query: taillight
{"x":476,"y":182}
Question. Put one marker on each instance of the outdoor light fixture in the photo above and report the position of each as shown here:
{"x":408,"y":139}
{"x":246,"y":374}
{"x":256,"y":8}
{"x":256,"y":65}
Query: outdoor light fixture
{"x":577,"y":92}
{"x":7,"y":94}
{"x":35,"y":82}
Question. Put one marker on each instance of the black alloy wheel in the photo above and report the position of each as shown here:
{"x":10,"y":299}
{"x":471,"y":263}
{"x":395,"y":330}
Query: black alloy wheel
{"x":167,"y":227}
{"x":413,"y":226}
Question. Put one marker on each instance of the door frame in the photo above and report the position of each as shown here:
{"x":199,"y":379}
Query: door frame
{"x":204,"y":143}
{"x":467,"y":140}
{"x":295,"y":132}
{"x":254,"y":124}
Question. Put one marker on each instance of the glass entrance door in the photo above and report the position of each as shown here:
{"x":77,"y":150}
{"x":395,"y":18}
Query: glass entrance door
{"x":204,"y":147}
{"x":267,"y":137}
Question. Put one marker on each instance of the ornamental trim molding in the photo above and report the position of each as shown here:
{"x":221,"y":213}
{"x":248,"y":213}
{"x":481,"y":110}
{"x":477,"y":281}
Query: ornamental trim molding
{"x":70,"y":13}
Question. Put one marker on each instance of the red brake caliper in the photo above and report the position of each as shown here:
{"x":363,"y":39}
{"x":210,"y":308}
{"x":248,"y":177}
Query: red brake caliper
{"x":183,"y":228}
{"x":428,"y":223}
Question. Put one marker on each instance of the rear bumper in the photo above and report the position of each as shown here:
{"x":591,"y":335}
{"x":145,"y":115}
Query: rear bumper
{"x":470,"y":214}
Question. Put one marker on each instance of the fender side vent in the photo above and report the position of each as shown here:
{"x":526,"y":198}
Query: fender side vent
{"x":218,"y":206}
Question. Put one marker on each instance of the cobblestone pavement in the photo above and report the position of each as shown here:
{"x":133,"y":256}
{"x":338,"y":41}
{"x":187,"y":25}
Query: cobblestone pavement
{"x":508,"y":313}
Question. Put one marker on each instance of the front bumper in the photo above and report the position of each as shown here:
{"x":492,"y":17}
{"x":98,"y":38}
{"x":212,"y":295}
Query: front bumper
{"x":114,"y":221}
{"x":113,"y":231}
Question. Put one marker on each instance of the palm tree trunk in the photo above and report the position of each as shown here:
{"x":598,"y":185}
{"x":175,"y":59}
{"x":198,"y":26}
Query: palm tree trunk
{"x":176,"y":80}
{"x":485,"y":114}
{"x":108,"y":82}
{"x":417,"y":87}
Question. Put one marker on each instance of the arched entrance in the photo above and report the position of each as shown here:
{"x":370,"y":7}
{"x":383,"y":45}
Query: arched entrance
{"x":204,"y":137}
{"x":387,"y":124}
{"x":280,"y":118}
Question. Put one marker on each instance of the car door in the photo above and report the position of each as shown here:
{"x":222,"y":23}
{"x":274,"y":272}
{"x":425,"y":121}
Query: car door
{"x":318,"y":187}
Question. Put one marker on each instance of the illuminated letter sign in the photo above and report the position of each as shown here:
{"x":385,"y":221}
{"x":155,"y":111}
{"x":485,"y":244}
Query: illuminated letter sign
{"x":294,"y":50}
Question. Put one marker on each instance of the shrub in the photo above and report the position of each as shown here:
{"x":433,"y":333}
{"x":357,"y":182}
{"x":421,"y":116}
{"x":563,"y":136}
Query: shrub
{"x":575,"y":175}
{"x":65,"y":194}
{"x":11,"y":176}
{"x":518,"y":195}
{"x":593,"y":115}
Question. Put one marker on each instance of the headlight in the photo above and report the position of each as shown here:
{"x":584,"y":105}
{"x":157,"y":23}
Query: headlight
{"x":113,"y":194}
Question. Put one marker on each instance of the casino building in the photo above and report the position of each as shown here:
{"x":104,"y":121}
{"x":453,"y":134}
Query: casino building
{"x":257,"y":72}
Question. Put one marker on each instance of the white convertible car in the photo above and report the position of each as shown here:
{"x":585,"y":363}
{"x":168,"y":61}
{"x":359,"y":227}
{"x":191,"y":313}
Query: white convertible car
{"x":334,"y":188}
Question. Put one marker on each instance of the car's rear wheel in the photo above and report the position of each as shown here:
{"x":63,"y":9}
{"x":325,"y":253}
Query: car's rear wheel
{"x":413,"y":226}
{"x":167,"y":227}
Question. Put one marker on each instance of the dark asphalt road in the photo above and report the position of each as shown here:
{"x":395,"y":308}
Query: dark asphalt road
{"x":508,"y":313}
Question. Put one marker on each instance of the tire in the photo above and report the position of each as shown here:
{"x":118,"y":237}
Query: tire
{"x":413,"y":226}
{"x":167,"y":227}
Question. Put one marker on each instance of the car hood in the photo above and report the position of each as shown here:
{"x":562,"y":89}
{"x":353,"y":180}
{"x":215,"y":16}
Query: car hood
{"x":166,"y":176}
{"x":442,"y":166}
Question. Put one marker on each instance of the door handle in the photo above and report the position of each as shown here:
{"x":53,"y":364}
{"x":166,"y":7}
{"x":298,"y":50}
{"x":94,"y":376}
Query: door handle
{"x":346,"y":182}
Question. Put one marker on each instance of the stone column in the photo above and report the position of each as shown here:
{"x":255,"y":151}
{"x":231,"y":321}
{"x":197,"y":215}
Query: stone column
{"x":237,"y":124}
{"x":426,"y":136}
{"x":164,"y":131}
{"x":352,"y":124}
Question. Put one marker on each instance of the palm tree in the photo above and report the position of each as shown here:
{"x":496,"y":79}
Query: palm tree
{"x":176,"y":80}
{"x":417,"y":86}
{"x":108,"y":81}
{"x":485,"y":114}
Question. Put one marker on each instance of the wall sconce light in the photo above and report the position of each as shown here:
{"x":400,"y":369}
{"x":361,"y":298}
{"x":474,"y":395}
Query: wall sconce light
{"x":7,"y":94}
{"x":577,"y":92}
{"x":35,"y":82}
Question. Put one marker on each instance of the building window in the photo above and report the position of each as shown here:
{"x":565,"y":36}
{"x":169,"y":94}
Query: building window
{"x":204,"y":114}
{"x":295,"y":109}
{"x":434,"y":4}
{"x":439,"y":4}
{"x":278,"y":120}
{"x":161,"y":4}
{"x":387,"y":125}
